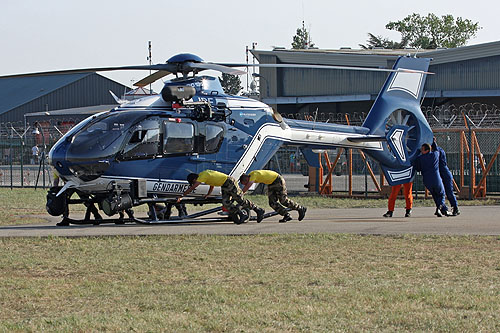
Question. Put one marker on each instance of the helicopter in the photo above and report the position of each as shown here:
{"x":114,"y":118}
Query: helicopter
{"x":140,"y":152}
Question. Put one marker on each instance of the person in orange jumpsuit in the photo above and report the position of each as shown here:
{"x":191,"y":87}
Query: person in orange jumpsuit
{"x":407,"y":188}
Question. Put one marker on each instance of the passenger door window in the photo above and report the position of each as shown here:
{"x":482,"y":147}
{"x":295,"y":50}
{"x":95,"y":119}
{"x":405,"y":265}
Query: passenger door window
{"x":178,"y":137}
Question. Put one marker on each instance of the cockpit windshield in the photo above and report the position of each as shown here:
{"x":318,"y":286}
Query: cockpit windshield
{"x":210,"y":85}
{"x":205,"y":85}
{"x":103,"y":137}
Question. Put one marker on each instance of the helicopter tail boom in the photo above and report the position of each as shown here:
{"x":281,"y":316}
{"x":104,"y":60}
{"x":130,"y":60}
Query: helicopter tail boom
{"x":392,"y":133}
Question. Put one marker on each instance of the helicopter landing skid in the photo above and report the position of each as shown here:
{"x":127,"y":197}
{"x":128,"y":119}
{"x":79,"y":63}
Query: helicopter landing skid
{"x":163,"y":216}
{"x":192,"y":218}
{"x":68,"y":221}
{"x":197,"y":218}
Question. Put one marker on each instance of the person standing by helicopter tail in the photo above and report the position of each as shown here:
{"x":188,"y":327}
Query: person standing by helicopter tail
{"x":428,"y":164}
{"x":407,"y":188}
{"x":230,"y":192}
{"x":277,"y":194}
{"x":447,"y":178}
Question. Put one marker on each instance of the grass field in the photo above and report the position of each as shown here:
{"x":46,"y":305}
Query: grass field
{"x":22,"y":205}
{"x":271,"y":283}
{"x":274,"y":283}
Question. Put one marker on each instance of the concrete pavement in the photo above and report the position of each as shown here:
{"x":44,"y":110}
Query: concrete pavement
{"x":474,"y":220}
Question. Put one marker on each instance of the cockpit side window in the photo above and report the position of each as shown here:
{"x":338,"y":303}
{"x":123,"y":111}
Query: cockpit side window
{"x":178,"y":137}
{"x":145,"y":140}
{"x":214,"y":135}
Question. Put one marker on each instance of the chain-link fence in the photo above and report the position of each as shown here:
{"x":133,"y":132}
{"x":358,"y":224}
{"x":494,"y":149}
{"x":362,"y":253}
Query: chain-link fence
{"x":451,"y":126}
{"x":24,"y":149}
{"x":290,"y":162}
{"x":456,"y":144}
{"x":23,"y":146}
{"x":446,"y":116}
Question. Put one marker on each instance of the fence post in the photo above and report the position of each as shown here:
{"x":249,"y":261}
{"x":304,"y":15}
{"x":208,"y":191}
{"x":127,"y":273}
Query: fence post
{"x":471,"y":164}
{"x":10,"y":160}
{"x":462,"y":163}
{"x":22,"y":160}
{"x":350,"y":171}
{"x":482,"y":182}
{"x":366,"y":179}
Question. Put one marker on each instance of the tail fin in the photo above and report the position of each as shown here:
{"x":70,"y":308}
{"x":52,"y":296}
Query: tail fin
{"x":396,"y":115}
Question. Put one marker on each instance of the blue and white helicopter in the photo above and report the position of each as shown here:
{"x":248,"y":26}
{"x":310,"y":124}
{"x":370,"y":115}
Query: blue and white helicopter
{"x":141,"y":152}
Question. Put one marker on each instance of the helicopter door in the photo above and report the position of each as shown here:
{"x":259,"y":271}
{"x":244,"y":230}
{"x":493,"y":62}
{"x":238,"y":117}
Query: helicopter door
{"x":211,"y":137}
{"x":145,"y":140}
{"x":178,"y":137}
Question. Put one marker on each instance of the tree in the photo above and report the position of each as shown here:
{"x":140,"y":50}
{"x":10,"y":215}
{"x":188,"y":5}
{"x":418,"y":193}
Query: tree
{"x":230,"y":83}
{"x":431,"y":32}
{"x":302,"y":39}
{"x":379,"y":41}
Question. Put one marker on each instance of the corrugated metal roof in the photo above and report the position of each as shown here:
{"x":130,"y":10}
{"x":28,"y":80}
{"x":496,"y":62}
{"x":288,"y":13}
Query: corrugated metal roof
{"x":15,"y":92}
{"x":380,"y":57}
{"x":462,"y":53}
{"x":330,"y":57}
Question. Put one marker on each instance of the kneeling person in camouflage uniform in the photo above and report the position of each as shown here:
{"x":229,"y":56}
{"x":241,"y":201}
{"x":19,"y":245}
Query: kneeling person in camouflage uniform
{"x":230,"y":192}
{"x":276,"y":189}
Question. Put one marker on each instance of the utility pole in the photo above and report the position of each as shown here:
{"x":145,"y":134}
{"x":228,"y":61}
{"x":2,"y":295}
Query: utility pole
{"x":253,"y":57}
{"x":246,"y":53}
{"x":150,"y":58}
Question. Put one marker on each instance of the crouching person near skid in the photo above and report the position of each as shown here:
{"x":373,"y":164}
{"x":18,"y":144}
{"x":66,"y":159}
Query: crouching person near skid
{"x":230,"y":192}
{"x":276,"y":189}
{"x":428,"y":164}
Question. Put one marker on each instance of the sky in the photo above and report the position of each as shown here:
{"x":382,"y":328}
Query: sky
{"x":64,"y":34}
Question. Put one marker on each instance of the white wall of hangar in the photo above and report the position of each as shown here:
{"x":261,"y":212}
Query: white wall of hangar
{"x":318,"y":99}
{"x":462,"y":93}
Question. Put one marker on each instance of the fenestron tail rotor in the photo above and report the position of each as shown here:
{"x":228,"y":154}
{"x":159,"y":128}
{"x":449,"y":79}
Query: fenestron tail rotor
{"x":406,"y":120}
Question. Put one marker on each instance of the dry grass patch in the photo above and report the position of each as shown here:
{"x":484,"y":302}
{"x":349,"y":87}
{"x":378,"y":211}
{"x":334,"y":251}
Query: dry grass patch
{"x":250,"y":283}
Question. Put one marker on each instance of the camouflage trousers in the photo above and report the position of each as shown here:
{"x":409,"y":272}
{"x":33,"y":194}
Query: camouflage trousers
{"x":278,"y":199}
{"x":231,"y":192}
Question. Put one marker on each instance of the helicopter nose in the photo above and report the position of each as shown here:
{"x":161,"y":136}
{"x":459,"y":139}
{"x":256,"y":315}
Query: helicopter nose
{"x":70,"y":165}
{"x":88,"y":171}
{"x":57,"y":158}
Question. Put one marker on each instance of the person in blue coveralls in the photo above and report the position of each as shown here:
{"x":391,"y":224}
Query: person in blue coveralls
{"x":428,"y":164}
{"x":447,"y":178}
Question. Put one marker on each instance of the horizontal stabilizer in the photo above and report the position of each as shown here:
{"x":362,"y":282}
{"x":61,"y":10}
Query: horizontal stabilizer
{"x":398,"y":176}
{"x":367,"y":139}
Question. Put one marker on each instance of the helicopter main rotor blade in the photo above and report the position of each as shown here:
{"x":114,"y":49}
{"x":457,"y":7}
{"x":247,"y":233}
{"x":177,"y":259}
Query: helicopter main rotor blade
{"x":305,"y":66}
{"x":151,"y":78}
{"x":157,"y":67}
{"x":217,"y":67}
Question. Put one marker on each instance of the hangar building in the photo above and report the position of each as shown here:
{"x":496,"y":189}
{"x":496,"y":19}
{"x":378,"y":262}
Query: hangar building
{"x":469,"y":74}
{"x":23,"y":95}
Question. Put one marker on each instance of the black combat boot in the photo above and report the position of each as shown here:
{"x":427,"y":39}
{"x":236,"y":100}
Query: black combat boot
{"x":260,"y":214}
{"x":285,"y":218}
{"x":302,"y":212}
